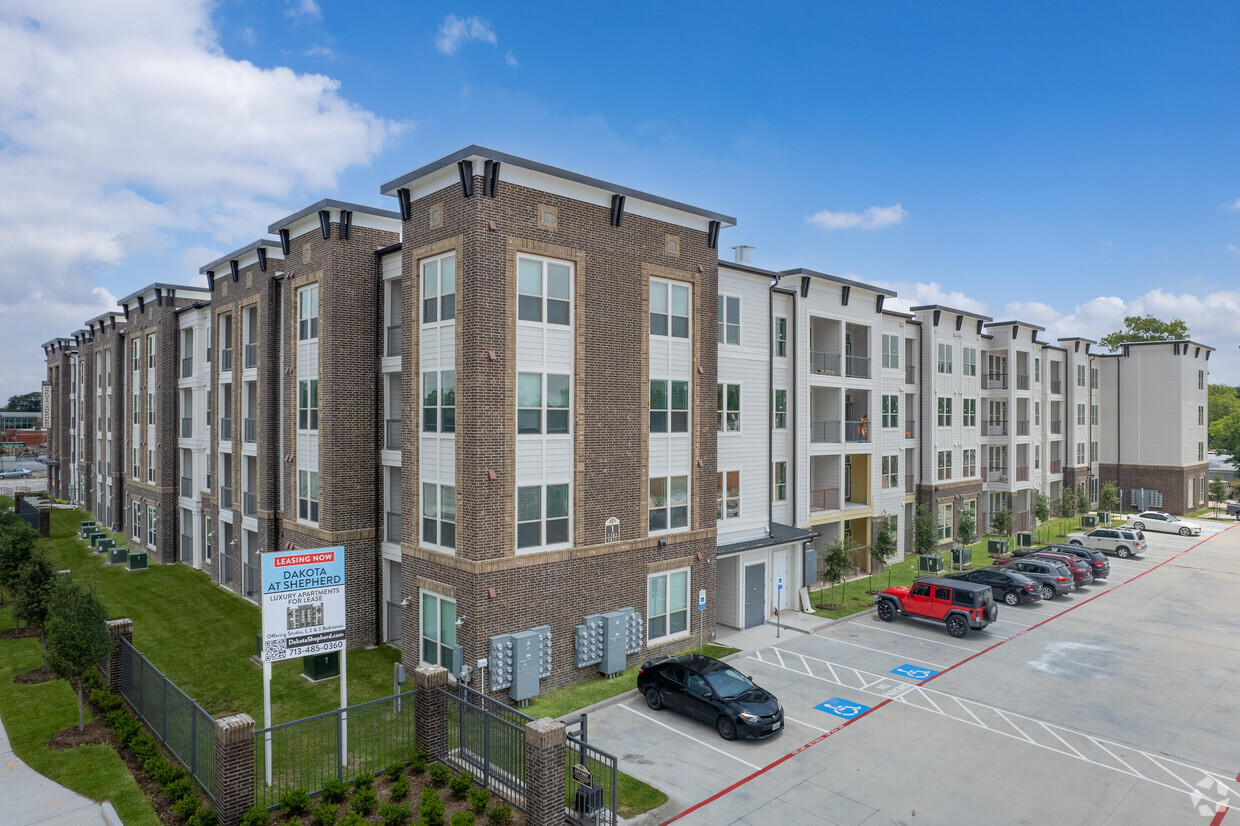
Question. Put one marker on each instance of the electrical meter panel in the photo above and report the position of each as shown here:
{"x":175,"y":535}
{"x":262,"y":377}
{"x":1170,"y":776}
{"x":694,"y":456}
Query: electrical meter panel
{"x":519,"y":661}
{"x":607,"y":639}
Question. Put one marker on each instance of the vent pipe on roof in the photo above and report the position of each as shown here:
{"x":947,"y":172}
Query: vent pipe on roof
{"x":742,"y":253}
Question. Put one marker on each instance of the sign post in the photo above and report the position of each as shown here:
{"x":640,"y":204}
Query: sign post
{"x":303,"y":614}
{"x":701,"y":620}
{"x":779,"y":595}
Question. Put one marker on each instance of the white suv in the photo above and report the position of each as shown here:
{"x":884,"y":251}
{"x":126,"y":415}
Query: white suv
{"x":1123,"y":542}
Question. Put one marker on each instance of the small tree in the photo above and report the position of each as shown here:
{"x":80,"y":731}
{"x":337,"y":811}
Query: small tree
{"x":36,"y":587}
{"x":1108,"y":497}
{"x":1001,"y":522}
{"x":1082,"y":501}
{"x":17,"y":544}
{"x":1067,"y":506}
{"x":925,"y":537}
{"x":1041,"y":508}
{"x":1218,"y":491}
{"x":76,"y":636}
{"x":966,"y":529}
{"x":835,"y":564}
{"x":881,"y":549}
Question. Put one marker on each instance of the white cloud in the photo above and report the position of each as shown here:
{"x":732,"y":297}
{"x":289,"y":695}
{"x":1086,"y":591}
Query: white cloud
{"x":126,"y":122}
{"x":320,"y":51}
{"x":304,"y":8}
{"x":1230,"y":205}
{"x":1233,"y":248}
{"x":247,"y":36}
{"x":916,"y":293}
{"x":511,"y":59}
{"x":873,"y":218}
{"x":456,"y":31}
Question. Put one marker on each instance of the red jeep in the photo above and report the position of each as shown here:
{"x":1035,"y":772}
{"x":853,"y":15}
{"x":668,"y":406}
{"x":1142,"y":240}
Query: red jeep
{"x":960,"y":605}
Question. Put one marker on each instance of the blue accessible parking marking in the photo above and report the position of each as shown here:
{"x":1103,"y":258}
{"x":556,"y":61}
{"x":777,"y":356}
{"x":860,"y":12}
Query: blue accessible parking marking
{"x":913,"y":672}
{"x":842,"y":708}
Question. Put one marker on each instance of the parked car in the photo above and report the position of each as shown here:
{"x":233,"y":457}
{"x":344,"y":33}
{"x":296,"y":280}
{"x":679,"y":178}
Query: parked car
{"x":1163,"y":523}
{"x":960,"y":606}
{"x":1009,"y":586}
{"x":713,"y":692}
{"x":1054,"y":578}
{"x":1102,"y":568}
{"x":1233,"y":509}
{"x":1123,"y":542}
{"x":1082,"y":571}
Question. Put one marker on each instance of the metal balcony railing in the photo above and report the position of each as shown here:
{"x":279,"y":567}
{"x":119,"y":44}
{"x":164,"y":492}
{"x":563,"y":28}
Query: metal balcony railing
{"x":995,"y":474}
{"x":857,"y":366}
{"x":226,"y":360}
{"x":994,"y":427}
{"x":391,"y":434}
{"x":1057,"y":426}
{"x":187,"y":486}
{"x":187,"y":367}
{"x":393,"y":624}
{"x":910,"y":428}
{"x":186,"y":551}
{"x":187,"y":427}
{"x":225,"y":429}
{"x":1057,"y":386}
{"x":1022,"y":427}
{"x":394,"y":340}
{"x":908,"y":483}
{"x":251,"y":580}
{"x":391,"y":527}
{"x":994,"y":381}
{"x":1022,"y":381}
{"x":226,"y":570}
{"x":249,"y":430}
{"x":910,"y":375}
{"x":226,"y":499}
{"x":249,"y":503}
{"x":251,"y":354}
{"x":824,"y":499}
{"x":857,"y":431}
{"x":1022,"y":473}
{"x":824,"y":363}
{"x":1056,"y":466}
{"x":824,"y":431}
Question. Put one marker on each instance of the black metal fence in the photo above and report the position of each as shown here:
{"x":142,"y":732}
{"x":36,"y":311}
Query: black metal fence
{"x":180,"y":723}
{"x":28,"y":511}
{"x":306,"y":752}
{"x":487,"y":739}
{"x":594,"y":803}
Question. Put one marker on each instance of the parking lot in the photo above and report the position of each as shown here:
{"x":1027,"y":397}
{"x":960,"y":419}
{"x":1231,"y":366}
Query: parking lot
{"x":1117,"y":704}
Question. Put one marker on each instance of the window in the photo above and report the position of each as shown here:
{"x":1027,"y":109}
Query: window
{"x":530,"y":406}
{"x":1201,"y":415}
{"x":969,"y":362}
{"x":945,"y":464}
{"x":945,"y":412}
{"x":669,"y":503}
{"x":945,"y":521}
{"x":1201,"y":379}
{"x":1201,"y":451}
{"x":729,"y":319}
{"x":135,"y":464}
{"x":150,"y":465}
{"x":781,"y":337}
{"x":137,"y":353}
{"x":438,"y":622}
{"x":152,"y":525}
{"x":1080,"y":453}
{"x":891,"y":411}
{"x":660,"y":402}
{"x":439,"y":289}
{"x":439,"y":401}
{"x":891,"y":472}
{"x":1093,"y":451}
{"x":1080,"y":414}
{"x":308,"y":405}
{"x":667,"y":604}
{"x":137,"y":410}
{"x":1093,"y":415}
{"x":439,"y":515}
{"x":891,"y":351}
{"x":150,"y":350}
{"x":968,"y":412}
{"x":945,"y":358}
{"x":669,"y":310}
{"x":307,"y":314}
{"x":781,"y":409}
{"x":542,"y":519}
{"x":544,"y":290}
{"x":727,"y":494}
{"x":1080,"y":375}
{"x":135,"y":521}
{"x":779,"y":472}
{"x":1037,"y":413}
{"x":1037,"y":370}
{"x":968,"y":462}
{"x":1093,"y":378}
{"x":308,"y":495}
{"x":150,"y":408}
{"x":729,"y":407}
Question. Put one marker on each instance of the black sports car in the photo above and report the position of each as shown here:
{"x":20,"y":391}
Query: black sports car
{"x":713,"y":692}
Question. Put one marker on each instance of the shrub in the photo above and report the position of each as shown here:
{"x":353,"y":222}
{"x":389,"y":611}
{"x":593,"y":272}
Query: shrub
{"x":185,"y":807}
{"x":463,"y":819}
{"x":257,"y":816}
{"x":204,"y":817}
{"x":479,"y":798}
{"x":461,"y":784}
{"x":126,"y":730}
{"x":394,"y":814}
{"x":432,"y":809}
{"x":364,"y":781}
{"x":294,"y":801}
{"x":335,"y":791}
{"x":143,"y":745}
{"x":417,"y":761}
{"x":439,"y":775}
{"x":179,"y":788}
{"x":364,"y":800}
{"x":395,"y":770}
{"x":352,"y":819}
{"x":501,"y":814}
{"x":400,"y":789}
{"x":107,"y":701}
{"x":154,"y":766}
{"x":325,"y":814}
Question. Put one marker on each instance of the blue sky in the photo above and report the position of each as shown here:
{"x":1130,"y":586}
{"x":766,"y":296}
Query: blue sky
{"x":1066,"y":164}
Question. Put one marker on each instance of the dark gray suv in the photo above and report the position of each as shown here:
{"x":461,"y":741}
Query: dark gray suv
{"x":1055,"y":579}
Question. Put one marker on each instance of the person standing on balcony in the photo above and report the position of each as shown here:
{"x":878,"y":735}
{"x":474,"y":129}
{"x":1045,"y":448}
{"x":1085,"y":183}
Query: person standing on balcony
{"x":865,"y":425}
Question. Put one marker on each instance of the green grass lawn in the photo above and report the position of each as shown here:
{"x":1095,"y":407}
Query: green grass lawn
{"x":32,"y":714}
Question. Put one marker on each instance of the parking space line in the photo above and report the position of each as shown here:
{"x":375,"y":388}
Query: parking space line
{"x":803,"y":723}
{"x":689,"y":736}
{"x":915,"y":637}
{"x":878,"y":650}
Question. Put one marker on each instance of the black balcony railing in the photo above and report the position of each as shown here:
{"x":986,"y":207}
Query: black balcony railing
{"x":994,"y":381}
{"x":994,"y":427}
{"x":857,"y":366}
{"x":187,"y":427}
{"x":251,"y":580}
{"x":249,"y":430}
{"x":1022,"y":427}
{"x":249,"y":503}
{"x":391,"y":434}
{"x":226,"y":570}
{"x":910,"y":429}
{"x":1056,"y":386}
{"x":251,"y":354}
{"x":226,"y":360}
{"x":394,"y":340}
{"x":186,"y":552}
{"x":824,"y":364}
{"x":187,"y":486}
{"x":1022,"y":381}
{"x":910,"y":375}
{"x":187,"y":367}
{"x":857,"y":431}
{"x":391,"y":525}
{"x":226,"y":429}
{"x":1057,"y":426}
{"x":824,"y":431}
{"x":226,"y":499}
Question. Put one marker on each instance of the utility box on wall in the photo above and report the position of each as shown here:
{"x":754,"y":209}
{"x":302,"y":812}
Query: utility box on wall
{"x":519,"y":661}
{"x":608,"y":639}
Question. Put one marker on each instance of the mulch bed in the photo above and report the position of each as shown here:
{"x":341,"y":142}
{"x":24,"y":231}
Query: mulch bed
{"x":34,"y":676}
{"x":19,"y":633}
{"x":829,"y":606}
{"x":94,"y":734}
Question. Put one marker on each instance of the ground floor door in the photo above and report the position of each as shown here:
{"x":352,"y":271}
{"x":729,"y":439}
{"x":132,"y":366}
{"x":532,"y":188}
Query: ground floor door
{"x":755,"y":594}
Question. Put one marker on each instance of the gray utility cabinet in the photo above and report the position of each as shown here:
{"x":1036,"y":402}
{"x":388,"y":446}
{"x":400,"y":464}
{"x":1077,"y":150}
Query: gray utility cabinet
{"x":519,"y":661}
{"x":608,"y":639}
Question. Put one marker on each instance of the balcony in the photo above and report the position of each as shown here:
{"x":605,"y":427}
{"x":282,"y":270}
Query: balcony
{"x":994,"y":381}
{"x":226,"y":499}
{"x":226,"y":570}
{"x":857,"y":367}
{"x":1022,"y":381}
{"x":249,"y":431}
{"x":910,"y":428}
{"x":186,"y":553}
{"x":1057,"y":387}
{"x":394,"y":340}
{"x":391,"y":527}
{"x":1022,"y":473}
{"x":910,"y":375}
{"x":1056,"y":466}
{"x":249,"y":503}
{"x":1057,"y":426}
{"x":857,"y":431}
{"x":187,"y":367}
{"x":824,"y":364}
{"x":391,"y":434}
{"x":226,"y":429}
{"x":251,"y":354}
{"x":826,"y":499}
{"x":1020,"y":521}
{"x":187,"y":486}
{"x":994,"y":474}
{"x":251,"y":580}
{"x":1022,"y":427}
{"x":824,"y":432}
{"x":187,"y":427}
{"x":908,"y":483}
{"x":994,"y":427}
{"x":393,"y":625}
{"x":226,"y":360}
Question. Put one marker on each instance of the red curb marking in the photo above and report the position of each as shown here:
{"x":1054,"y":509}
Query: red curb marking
{"x":1218,"y":817}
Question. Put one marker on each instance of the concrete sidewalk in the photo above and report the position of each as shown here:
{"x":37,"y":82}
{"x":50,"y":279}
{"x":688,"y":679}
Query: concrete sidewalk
{"x":28,"y":797}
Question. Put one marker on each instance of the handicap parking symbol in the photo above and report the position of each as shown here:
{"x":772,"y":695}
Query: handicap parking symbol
{"x":913,"y":672}
{"x":842,"y":708}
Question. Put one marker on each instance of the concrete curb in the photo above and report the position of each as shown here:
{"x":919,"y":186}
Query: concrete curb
{"x":110,"y":815}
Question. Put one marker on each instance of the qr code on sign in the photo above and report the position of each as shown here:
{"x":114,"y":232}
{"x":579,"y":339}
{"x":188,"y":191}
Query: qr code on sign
{"x":274,"y":650}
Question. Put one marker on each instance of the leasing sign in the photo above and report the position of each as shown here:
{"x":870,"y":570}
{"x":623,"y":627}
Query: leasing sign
{"x":303,"y":603}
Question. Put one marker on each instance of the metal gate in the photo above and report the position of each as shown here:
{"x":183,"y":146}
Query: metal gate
{"x":487,"y":739}
{"x":591,"y":786}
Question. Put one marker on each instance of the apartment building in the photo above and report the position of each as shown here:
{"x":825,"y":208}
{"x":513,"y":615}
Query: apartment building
{"x":107,"y":407}
{"x":194,"y":398}
{"x":61,"y":448}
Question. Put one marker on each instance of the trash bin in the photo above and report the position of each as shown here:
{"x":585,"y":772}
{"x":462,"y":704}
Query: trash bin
{"x":1024,"y":539}
{"x":931,"y":564}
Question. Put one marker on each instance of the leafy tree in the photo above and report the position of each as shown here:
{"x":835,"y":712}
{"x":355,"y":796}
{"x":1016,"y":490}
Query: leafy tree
{"x":1224,"y":400}
{"x":1041,"y":507}
{"x":1218,"y":491}
{"x":36,"y":587}
{"x":17,"y":544}
{"x":882,"y":548}
{"x":1145,"y":328}
{"x":966,"y":530}
{"x":25,"y":403}
{"x":1108,"y":496}
{"x":835,"y":561}
{"x":76,"y":636}
{"x":925,"y":536}
{"x":1067,"y":505}
{"x":1225,"y":436}
{"x":1082,"y":501}
{"x":1001,"y":522}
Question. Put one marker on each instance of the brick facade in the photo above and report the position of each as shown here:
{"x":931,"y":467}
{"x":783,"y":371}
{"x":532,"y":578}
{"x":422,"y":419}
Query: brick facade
{"x":1172,"y":482}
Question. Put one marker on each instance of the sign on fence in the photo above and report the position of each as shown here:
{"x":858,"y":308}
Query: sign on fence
{"x":303,"y":603}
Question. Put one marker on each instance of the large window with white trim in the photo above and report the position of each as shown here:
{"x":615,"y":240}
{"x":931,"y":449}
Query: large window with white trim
{"x":669,"y":309}
{"x":542,"y":398}
{"x":544,"y":290}
{"x":669,"y":503}
{"x":438,"y":630}
{"x":308,"y":495}
{"x":667,"y":605}
{"x":439,"y":515}
{"x":729,"y":319}
{"x":439,"y":402}
{"x":439,"y":289}
{"x":727,"y":494}
{"x":729,"y":408}
{"x":669,"y":406}
{"x":308,"y":313}
{"x":308,"y":405}
{"x":542,"y":515}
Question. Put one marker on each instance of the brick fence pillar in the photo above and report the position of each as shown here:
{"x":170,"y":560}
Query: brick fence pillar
{"x":234,"y":767}
{"x":118,"y":629}
{"x":545,"y":783}
{"x":430,"y":719}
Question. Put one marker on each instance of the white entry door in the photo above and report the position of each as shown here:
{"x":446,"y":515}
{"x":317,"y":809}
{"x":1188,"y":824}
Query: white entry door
{"x":780,"y":571}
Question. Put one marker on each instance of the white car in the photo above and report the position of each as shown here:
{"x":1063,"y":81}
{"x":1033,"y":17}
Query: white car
{"x":1163,"y":523}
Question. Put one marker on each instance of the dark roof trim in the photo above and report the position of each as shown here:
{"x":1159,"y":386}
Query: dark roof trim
{"x":750,"y":268}
{"x":331,"y":203}
{"x":947,"y":309}
{"x":217,"y":263}
{"x":390,"y":187}
{"x":898,"y":314}
{"x":1021,"y":323}
{"x":159,"y":286}
{"x":388,"y":250}
{"x":197,"y":305}
{"x":780,"y":535}
{"x":1169,"y":341}
{"x":844,"y":281}
{"x":1086,"y":340}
